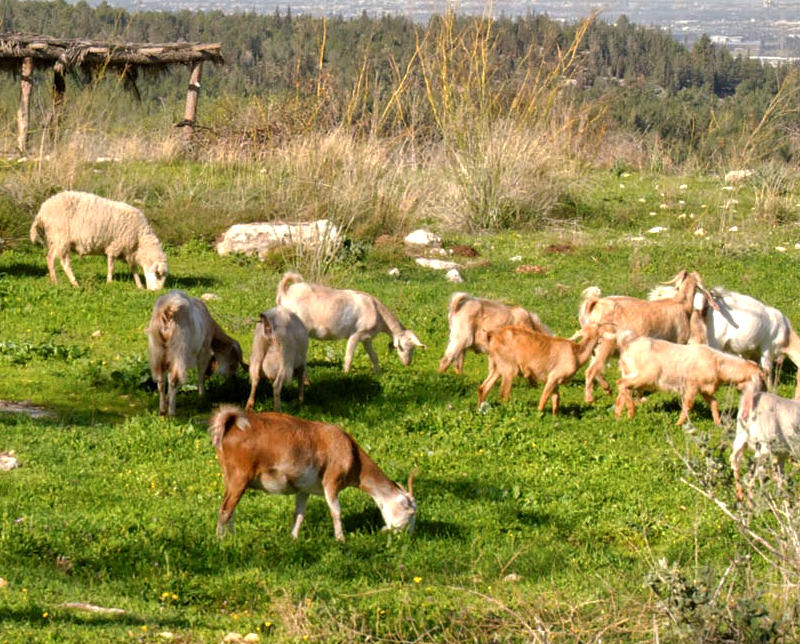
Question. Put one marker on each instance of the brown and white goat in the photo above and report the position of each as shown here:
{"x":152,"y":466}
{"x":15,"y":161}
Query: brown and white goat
{"x":538,"y":357}
{"x":471,"y":318}
{"x":666,"y":319}
{"x":182,"y":335}
{"x":687,"y":369}
{"x":332,"y":314}
{"x":281,"y":454}
{"x":280,"y":347}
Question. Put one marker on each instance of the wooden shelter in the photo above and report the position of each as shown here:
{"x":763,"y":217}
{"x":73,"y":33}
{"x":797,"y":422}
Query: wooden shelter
{"x":22,"y":53}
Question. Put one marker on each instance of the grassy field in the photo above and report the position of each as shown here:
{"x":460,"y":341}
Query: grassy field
{"x":531,"y":527}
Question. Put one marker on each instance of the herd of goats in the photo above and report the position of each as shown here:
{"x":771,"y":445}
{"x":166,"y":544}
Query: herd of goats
{"x":685,"y":339}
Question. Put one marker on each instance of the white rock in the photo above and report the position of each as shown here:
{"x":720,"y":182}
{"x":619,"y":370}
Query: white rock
{"x":251,"y":637}
{"x":699,"y":231}
{"x":436,"y":264}
{"x":454,"y":276}
{"x":260,"y":238}
{"x":657,"y":229}
{"x":683,"y":186}
{"x":780,"y":249}
{"x":207,"y":297}
{"x":733,"y":229}
{"x":516,"y":258}
{"x":423,"y":238}
{"x":737,"y":176}
{"x":8,"y":461}
{"x":394,"y":272}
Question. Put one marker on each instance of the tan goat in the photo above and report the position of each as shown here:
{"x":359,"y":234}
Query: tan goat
{"x":668,"y":319}
{"x":281,"y":454}
{"x":471,"y":318}
{"x":687,"y":369}
{"x":280,"y":348}
{"x":182,"y":335}
{"x":538,"y":357}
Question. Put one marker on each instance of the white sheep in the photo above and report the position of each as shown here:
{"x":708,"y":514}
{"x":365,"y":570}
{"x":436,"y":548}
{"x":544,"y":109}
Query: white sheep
{"x":280,"y":347}
{"x":93,"y":225}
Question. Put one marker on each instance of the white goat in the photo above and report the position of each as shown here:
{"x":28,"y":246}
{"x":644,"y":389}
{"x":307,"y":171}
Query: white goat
{"x":92,"y":225}
{"x":742,"y":325}
{"x":770,"y":425}
{"x":282,"y":454}
{"x":333,"y":314}
{"x":687,"y":369}
{"x":280,"y":347}
{"x":538,"y":357}
{"x":668,"y":319}
{"x":182,"y":334}
{"x":471,"y":318}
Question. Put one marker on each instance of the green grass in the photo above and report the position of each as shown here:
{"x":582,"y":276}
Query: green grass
{"x":526,"y":521}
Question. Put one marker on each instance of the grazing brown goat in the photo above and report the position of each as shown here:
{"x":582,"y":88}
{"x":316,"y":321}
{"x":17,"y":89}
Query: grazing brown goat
{"x":281,"y":454}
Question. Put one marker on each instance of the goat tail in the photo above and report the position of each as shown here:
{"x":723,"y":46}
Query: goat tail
{"x":36,"y":228}
{"x":286,"y":281}
{"x":589,"y":298}
{"x":457,"y":300}
{"x":226,"y":417}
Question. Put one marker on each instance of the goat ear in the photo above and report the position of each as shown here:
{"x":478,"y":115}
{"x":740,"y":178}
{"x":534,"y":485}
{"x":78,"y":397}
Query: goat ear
{"x":413,"y":337}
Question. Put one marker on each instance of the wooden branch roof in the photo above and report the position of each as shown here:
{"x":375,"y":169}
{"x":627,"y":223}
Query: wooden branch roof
{"x":69,"y":54}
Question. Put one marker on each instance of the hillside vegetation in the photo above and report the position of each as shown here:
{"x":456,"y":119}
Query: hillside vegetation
{"x":518,"y":138}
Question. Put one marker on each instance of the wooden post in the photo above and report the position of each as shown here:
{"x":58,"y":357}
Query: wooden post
{"x":23,"y":113}
{"x":59,"y":88}
{"x":190,"y":113}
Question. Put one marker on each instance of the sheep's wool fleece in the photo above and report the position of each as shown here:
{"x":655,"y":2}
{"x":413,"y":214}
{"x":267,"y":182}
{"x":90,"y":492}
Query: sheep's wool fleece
{"x":91,"y":224}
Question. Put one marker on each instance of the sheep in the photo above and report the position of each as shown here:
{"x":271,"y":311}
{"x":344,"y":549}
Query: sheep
{"x":470,"y":318}
{"x":770,"y":425}
{"x":281,"y":454}
{"x":92,"y":225}
{"x":181,"y":335}
{"x":667,"y":319}
{"x":332,"y":314}
{"x":537,"y":357}
{"x":742,"y":325}
{"x":688,"y":369}
{"x":280,"y":346}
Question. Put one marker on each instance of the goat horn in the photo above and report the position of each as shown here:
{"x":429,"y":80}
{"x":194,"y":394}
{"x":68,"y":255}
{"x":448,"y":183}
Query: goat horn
{"x":680,"y":276}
